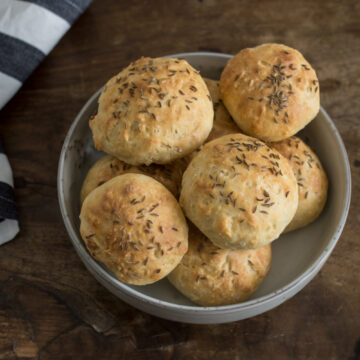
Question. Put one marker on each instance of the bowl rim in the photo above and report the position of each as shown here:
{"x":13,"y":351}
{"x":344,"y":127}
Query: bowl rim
{"x":285,"y":292}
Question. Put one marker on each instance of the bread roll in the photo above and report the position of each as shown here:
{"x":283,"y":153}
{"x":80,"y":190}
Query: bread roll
{"x":311,"y":178}
{"x":239,"y":192}
{"x":108,"y":167}
{"x":210,"y":276}
{"x":271,"y":91}
{"x":153,"y":111}
{"x":134,"y":225}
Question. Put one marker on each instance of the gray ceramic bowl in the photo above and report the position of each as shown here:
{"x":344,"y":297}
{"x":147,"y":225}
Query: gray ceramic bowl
{"x":297,"y":256}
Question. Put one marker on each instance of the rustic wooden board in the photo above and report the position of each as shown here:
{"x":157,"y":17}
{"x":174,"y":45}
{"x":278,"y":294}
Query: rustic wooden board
{"x":51,"y":307}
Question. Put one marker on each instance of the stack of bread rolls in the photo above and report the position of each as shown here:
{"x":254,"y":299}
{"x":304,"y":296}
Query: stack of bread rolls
{"x":202,"y":175}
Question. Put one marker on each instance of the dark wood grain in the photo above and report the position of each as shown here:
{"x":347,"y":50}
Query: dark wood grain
{"x":50,"y":306}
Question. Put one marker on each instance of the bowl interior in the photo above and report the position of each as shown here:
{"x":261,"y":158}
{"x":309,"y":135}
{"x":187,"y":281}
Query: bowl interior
{"x":293,"y":253}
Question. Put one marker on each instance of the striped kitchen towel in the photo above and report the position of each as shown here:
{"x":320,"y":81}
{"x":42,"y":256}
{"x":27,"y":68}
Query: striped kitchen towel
{"x":29,"y":29}
{"x":9,"y":225}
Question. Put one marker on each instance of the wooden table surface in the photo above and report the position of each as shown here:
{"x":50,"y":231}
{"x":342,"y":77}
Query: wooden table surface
{"x":51,"y":307}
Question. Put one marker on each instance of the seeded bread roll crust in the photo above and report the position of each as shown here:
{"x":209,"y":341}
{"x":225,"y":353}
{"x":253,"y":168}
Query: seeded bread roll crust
{"x":271,"y":91}
{"x":108,"y":167}
{"x":239,"y":192}
{"x":134,"y":225}
{"x":210,"y":276}
{"x":153,"y":111}
{"x":311,"y":178}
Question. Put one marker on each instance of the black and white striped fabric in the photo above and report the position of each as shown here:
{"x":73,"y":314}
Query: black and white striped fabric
{"x":29,"y":29}
{"x":9,"y":225}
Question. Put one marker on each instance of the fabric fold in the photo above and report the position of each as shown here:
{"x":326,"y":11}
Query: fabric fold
{"x":29,"y":29}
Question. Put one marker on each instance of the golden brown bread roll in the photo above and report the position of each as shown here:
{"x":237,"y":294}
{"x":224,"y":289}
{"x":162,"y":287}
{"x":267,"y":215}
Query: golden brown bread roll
{"x":108,"y":167}
{"x":135,"y":226}
{"x":210,"y":276}
{"x":239,"y":192}
{"x":153,"y":111}
{"x":311,"y":178}
{"x":271,"y":91}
